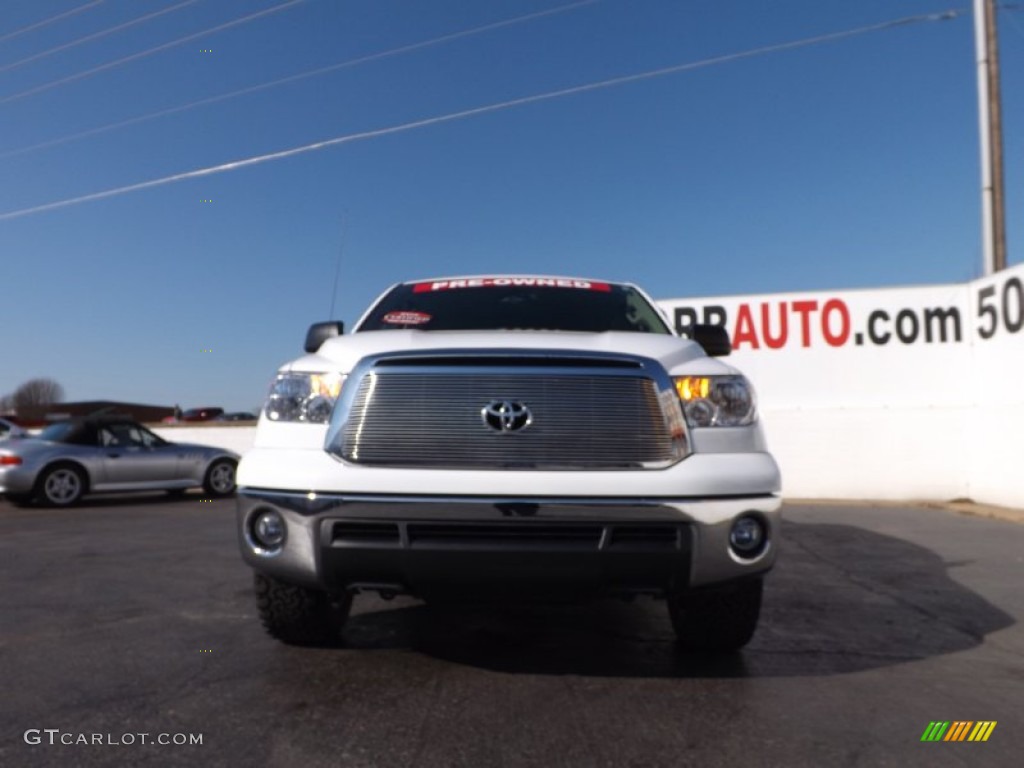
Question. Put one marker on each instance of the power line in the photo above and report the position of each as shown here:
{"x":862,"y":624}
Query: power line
{"x":148,"y":52}
{"x":95,"y":36}
{"x":50,"y":20}
{"x":300,"y":76}
{"x":462,"y":114}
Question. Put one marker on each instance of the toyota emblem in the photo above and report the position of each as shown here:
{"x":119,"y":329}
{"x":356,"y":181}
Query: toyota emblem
{"x":506,"y":416}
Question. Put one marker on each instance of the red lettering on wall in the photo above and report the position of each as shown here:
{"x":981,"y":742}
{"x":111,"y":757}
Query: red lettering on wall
{"x":835,"y":306}
{"x":804,"y":309}
{"x":745,"y":331}
{"x":774,"y":342}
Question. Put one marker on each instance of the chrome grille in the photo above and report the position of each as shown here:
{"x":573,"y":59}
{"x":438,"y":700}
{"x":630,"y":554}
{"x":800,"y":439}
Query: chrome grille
{"x":432,"y":418}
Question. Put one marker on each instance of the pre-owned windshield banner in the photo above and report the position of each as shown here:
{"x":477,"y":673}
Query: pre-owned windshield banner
{"x":509,"y":282}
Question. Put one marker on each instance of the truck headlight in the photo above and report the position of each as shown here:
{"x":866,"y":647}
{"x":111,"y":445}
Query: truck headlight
{"x":308,"y":397}
{"x":717,"y":401}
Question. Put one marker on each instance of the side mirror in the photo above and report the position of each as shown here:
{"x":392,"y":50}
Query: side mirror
{"x":713,"y":338}
{"x":318,"y":333}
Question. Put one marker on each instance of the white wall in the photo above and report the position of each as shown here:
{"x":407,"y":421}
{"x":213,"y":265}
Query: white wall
{"x":237,"y":439}
{"x":996,"y":452}
{"x":864,"y":396}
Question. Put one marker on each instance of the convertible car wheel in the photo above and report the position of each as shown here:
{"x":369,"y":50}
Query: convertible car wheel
{"x":220,"y":478}
{"x":60,"y":486}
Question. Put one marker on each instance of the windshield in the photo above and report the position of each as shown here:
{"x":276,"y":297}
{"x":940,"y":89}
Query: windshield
{"x":545,"y":304}
{"x":62,"y":432}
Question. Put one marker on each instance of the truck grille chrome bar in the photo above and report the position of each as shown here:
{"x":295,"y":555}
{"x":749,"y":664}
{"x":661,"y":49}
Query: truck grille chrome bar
{"x":581,"y":416}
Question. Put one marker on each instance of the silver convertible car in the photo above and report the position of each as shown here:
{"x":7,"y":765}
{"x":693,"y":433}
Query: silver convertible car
{"x":106,"y":454}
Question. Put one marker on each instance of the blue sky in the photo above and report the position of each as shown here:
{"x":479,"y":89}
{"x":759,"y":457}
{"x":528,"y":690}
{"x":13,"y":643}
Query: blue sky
{"x":846,"y":164}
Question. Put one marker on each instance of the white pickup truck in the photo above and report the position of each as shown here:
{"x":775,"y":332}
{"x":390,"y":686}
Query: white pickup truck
{"x":508,"y":437}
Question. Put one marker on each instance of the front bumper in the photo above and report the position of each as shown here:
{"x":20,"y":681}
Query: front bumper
{"x":427,"y":545}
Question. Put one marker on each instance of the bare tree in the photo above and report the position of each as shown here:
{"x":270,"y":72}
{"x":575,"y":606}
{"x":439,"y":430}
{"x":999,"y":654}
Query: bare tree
{"x":6,"y":403}
{"x":37,"y":392}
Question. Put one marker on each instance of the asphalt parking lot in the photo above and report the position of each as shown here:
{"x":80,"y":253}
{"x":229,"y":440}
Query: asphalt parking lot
{"x":131,"y":616}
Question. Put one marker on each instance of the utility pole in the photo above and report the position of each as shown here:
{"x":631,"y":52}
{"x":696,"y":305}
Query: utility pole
{"x":993,"y":212}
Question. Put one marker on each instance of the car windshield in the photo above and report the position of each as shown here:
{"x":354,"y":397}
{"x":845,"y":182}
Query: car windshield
{"x":59,"y":432}
{"x":514,"y":304}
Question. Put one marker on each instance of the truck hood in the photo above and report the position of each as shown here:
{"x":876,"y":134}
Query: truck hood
{"x":676,"y":355}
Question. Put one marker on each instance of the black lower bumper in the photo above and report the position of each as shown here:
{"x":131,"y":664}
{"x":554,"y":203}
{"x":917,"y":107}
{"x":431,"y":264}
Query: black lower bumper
{"x":517,"y":557}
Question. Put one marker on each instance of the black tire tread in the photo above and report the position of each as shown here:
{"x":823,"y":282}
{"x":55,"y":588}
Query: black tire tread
{"x":299,"y":616}
{"x":718,"y":619}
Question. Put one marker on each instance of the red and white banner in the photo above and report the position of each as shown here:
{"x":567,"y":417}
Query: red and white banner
{"x":505,"y":282}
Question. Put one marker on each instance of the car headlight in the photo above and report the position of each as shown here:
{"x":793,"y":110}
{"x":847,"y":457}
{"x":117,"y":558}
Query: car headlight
{"x":308,"y":397}
{"x":717,"y":401}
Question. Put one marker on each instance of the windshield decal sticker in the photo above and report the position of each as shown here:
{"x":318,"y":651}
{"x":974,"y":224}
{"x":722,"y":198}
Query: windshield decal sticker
{"x":407,"y":317}
{"x":504,"y":282}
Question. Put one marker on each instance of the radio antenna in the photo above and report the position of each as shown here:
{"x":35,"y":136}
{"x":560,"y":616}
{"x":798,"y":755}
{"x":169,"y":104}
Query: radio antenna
{"x":337,"y":264}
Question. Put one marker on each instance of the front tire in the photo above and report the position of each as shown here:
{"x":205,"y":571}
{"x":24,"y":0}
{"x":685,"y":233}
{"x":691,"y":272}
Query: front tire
{"x":60,"y":485}
{"x":299,"y":616}
{"x":220,"y":478}
{"x":716,"y":619}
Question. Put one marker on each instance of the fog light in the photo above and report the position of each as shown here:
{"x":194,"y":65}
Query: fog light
{"x":268,"y":529}
{"x":748,"y":536}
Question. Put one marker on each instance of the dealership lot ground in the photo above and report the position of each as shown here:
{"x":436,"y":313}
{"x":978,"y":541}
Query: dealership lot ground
{"x":132,"y":616}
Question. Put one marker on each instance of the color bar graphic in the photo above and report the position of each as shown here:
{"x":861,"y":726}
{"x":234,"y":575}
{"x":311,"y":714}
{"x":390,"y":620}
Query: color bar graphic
{"x":958,"y":730}
{"x":982,"y":730}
